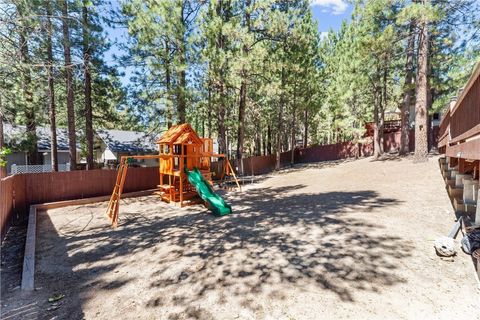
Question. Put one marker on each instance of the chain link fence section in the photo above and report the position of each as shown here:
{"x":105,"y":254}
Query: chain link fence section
{"x":38,"y":168}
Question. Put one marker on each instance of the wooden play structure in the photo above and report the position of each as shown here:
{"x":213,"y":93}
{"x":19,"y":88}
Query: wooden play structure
{"x":181,"y":151}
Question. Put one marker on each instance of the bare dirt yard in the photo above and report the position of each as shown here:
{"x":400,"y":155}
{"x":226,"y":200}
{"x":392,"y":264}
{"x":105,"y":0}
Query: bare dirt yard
{"x":335,"y":240}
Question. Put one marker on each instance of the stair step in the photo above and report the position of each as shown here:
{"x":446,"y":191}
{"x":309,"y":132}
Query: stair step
{"x":458,"y":205}
{"x":455,"y":192}
{"x":450,"y":182}
{"x":470,"y":208}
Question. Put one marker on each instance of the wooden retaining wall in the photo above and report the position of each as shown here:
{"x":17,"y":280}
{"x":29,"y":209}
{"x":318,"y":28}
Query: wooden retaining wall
{"x":18,"y":192}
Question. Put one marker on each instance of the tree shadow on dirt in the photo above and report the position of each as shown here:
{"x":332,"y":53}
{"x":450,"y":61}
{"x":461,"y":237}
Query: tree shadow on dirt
{"x":395,"y":156}
{"x":314,"y":165}
{"x":274,"y":241}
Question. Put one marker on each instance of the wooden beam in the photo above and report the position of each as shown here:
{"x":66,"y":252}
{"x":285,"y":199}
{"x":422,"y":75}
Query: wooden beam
{"x":167,"y":156}
{"x":466,"y":150}
{"x":442,"y":142}
{"x":468,"y":134}
{"x":28,"y":272}
{"x":76,"y":202}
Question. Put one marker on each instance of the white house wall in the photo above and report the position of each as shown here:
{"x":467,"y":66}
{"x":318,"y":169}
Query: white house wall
{"x":17,"y":158}
{"x":108,"y":155}
{"x":62,"y":157}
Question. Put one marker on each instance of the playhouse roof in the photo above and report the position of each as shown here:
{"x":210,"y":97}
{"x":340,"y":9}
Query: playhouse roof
{"x":181,"y":133}
{"x":188,"y":138}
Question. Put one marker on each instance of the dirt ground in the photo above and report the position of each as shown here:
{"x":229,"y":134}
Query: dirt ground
{"x":336,"y":240}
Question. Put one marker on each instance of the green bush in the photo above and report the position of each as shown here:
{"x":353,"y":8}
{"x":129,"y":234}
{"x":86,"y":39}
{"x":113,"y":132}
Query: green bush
{"x":3,"y":156}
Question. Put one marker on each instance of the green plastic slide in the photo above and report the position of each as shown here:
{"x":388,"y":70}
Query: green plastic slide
{"x":218,"y":206}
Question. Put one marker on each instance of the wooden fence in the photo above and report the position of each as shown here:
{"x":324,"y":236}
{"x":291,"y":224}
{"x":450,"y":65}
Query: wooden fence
{"x":18,"y":192}
{"x":7,"y":203}
{"x":265,"y":164}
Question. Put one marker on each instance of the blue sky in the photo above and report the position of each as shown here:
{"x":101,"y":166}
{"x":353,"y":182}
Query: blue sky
{"x":328,"y":13}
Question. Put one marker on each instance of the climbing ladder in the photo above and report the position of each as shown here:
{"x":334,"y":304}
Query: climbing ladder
{"x":112,"y":211}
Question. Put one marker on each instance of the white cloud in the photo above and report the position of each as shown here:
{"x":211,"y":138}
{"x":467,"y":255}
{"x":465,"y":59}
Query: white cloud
{"x":323,"y":35}
{"x":334,"y":6}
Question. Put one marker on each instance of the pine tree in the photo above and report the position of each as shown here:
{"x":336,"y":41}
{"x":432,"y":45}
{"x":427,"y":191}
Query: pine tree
{"x":24,"y":10}
{"x":421,"y":94}
{"x":72,"y":139}
{"x":408,"y":89}
{"x":51,"y":86}
{"x":87,"y":85}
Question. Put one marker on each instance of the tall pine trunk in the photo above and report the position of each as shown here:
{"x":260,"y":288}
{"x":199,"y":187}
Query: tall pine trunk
{"x":258,"y":139}
{"x":221,"y":42}
{"x":72,"y":140}
{"x":408,"y":92}
{"x":243,"y":94}
{"x":181,"y":97}
{"x":209,"y":110}
{"x":3,"y":170}
{"x":421,"y":116}
{"x":269,"y":139}
{"x":377,"y":126}
{"x":305,"y":128}
{"x":168,"y":85}
{"x":294,"y":116}
{"x":293,"y":132}
{"x":88,"y":87}
{"x":182,"y":83}
{"x":29,"y":111}
{"x":241,"y":123}
{"x":280,"y":120}
{"x":430,"y":92}
{"x":51,"y":90}
{"x":384,"y":103}
{"x":222,"y":140}
{"x":29,"y":107}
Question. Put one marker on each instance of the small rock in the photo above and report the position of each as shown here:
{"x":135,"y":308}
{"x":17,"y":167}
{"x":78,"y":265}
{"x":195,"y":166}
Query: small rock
{"x":56,"y":297}
{"x":448,"y":259}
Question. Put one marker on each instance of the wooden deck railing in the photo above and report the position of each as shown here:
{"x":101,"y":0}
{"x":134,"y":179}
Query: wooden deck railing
{"x":465,"y":118}
{"x":444,"y":130}
{"x":460,"y":127}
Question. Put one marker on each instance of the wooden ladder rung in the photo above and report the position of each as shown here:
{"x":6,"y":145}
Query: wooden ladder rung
{"x":113,"y":205}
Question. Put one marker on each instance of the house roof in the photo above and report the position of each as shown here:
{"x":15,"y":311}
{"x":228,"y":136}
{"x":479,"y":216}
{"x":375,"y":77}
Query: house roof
{"x":15,"y":137}
{"x":116,"y":140}
{"x":176,"y":134}
{"x":128,"y":141}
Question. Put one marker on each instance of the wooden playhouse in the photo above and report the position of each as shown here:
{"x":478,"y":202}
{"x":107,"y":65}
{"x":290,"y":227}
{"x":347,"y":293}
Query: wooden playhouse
{"x":182,"y":149}
{"x":182,"y":154}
